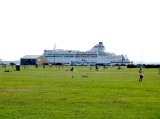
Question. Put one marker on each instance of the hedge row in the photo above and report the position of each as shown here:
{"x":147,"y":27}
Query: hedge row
{"x":144,"y":66}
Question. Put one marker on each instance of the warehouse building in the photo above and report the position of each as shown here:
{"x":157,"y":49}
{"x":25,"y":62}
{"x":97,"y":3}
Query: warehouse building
{"x":33,"y":60}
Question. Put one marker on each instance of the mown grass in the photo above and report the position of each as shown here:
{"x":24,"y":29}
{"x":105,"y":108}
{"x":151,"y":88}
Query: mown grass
{"x":46,"y":93}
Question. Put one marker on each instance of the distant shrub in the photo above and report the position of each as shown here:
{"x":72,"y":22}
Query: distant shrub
{"x":152,"y":66}
{"x":131,"y":66}
{"x":144,"y":66}
{"x":12,"y":63}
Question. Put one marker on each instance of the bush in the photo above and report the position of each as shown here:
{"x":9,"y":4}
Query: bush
{"x":131,"y":66}
{"x":152,"y":66}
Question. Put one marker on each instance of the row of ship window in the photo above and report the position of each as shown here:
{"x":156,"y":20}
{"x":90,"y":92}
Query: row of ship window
{"x":71,"y":55}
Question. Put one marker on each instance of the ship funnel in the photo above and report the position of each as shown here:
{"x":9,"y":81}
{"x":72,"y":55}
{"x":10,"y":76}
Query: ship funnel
{"x":98,"y":48}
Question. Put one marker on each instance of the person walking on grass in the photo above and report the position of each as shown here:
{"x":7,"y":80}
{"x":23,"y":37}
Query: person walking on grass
{"x":140,"y":75}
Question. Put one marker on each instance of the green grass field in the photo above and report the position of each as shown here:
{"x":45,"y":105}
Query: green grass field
{"x":45,"y":93}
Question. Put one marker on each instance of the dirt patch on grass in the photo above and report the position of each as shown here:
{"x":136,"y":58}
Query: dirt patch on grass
{"x":17,"y":90}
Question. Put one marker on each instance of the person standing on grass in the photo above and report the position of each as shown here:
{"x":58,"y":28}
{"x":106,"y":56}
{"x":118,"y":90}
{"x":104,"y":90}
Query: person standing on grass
{"x":140,"y":75}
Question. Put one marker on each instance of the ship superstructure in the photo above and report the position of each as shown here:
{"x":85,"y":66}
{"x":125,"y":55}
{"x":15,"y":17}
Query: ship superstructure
{"x":96,"y":55}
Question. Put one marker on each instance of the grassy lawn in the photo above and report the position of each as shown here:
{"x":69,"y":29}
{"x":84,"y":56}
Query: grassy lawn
{"x":45,"y":93}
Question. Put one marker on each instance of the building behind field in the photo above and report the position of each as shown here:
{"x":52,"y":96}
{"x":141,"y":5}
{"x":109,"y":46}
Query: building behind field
{"x":33,"y":60}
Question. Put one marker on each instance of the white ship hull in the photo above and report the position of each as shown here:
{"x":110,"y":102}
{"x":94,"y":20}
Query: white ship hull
{"x":96,"y":55}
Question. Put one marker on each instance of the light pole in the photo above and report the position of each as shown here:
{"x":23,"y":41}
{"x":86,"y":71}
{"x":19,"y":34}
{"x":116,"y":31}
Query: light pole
{"x":0,"y":61}
{"x":141,"y":59}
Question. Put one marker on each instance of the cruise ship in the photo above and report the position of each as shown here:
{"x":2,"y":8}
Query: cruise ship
{"x":96,"y":55}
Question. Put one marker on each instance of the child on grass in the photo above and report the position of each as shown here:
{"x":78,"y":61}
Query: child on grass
{"x":140,"y":75}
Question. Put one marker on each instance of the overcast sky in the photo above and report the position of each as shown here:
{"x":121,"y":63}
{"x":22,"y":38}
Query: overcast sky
{"x":131,"y":27}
